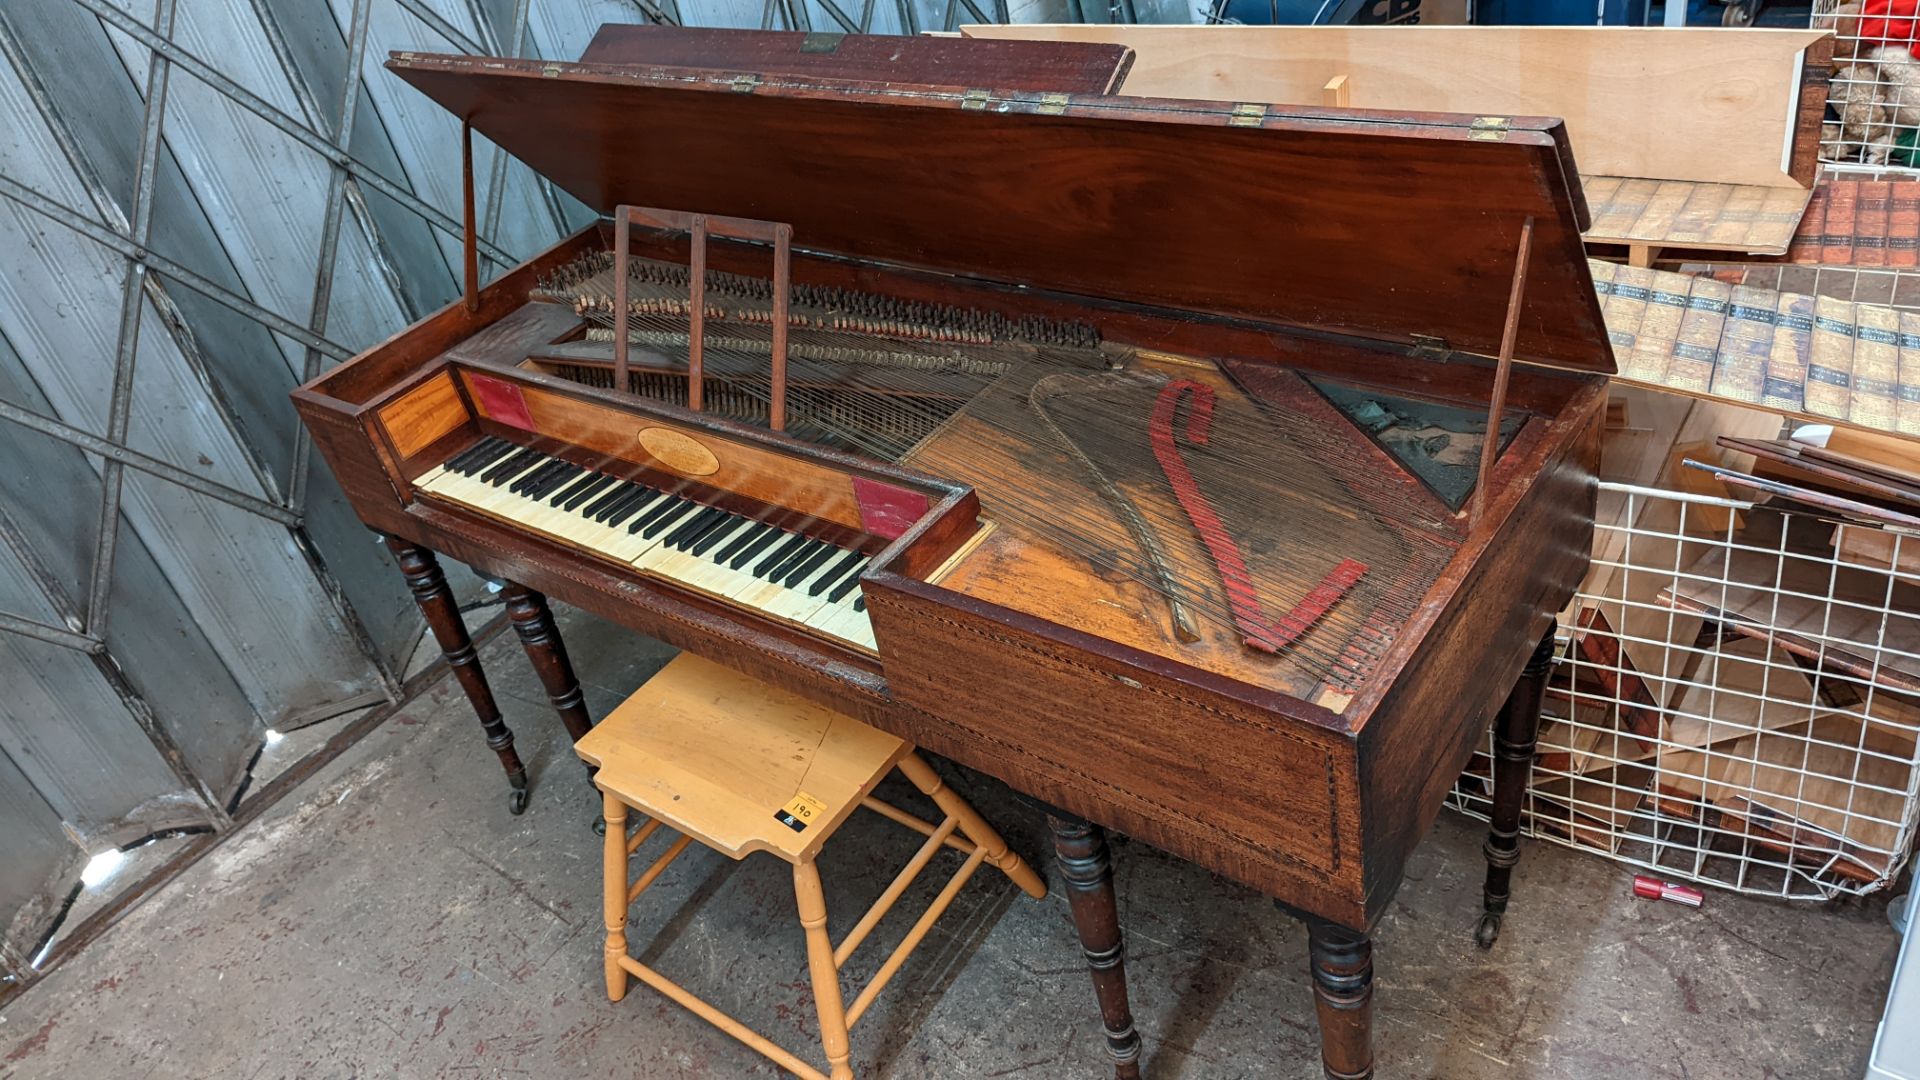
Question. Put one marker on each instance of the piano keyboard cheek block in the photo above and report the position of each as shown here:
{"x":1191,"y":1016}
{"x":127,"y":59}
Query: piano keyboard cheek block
{"x":1061,"y":493}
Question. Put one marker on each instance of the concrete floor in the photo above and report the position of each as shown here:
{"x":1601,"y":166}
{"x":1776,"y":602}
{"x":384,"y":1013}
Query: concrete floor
{"x":392,"y":920}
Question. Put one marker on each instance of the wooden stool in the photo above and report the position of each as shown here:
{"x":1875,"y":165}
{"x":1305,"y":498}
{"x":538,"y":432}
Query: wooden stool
{"x":743,"y":767}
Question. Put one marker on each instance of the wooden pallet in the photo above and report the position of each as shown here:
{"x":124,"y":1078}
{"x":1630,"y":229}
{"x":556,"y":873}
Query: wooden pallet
{"x":1648,"y":215}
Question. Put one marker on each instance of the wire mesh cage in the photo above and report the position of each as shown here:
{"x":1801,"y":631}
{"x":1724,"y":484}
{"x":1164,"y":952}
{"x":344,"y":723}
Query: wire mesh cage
{"x":1874,"y":97}
{"x":1735,"y":700}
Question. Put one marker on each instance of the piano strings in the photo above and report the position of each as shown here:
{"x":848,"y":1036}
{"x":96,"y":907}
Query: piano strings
{"x":1051,"y":426}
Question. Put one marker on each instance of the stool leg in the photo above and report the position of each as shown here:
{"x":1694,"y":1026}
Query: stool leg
{"x":973,"y":825}
{"x":826,"y":974}
{"x":615,"y":896}
{"x":436,"y":602}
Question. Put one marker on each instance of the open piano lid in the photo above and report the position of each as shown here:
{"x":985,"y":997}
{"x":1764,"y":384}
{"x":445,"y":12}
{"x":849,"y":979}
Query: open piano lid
{"x":1386,"y":226}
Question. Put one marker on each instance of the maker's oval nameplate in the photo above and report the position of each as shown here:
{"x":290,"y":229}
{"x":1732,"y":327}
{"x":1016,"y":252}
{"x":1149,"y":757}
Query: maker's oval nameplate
{"x":680,"y":452}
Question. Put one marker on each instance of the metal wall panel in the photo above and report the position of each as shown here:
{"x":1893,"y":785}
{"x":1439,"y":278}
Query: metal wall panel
{"x":203,"y":203}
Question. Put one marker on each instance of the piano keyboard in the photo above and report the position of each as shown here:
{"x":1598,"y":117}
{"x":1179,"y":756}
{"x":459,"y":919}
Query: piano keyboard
{"x":784,"y":574}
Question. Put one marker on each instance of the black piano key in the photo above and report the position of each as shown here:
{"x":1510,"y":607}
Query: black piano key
{"x":840,"y":591}
{"x":492,"y":452}
{"x":694,"y":525}
{"x":572,"y":486}
{"x":526,"y":479}
{"x":753,"y":550}
{"x":754,"y":547}
{"x":739,"y":540}
{"x":671,"y":504}
{"x":659,"y":508}
{"x":860,"y":604}
{"x":709,"y":533}
{"x":799,"y":556}
{"x":626,"y":508}
{"x":780,"y":554}
{"x":655,"y":526}
{"x":563,"y":478}
{"x":509,"y":466}
{"x":814,"y":562}
{"x":601,"y":508}
{"x":834,"y":574}
{"x":532,"y":484}
{"x":459,"y":462}
{"x":577,"y":495}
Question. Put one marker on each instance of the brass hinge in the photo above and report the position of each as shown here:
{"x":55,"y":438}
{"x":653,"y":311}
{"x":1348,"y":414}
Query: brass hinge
{"x":1051,"y":104}
{"x":403,"y":59}
{"x":1246,"y":115}
{"x":975,"y":99}
{"x":821,"y":41}
{"x":745,"y":84}
{"x":550,"y":71}
{"x":1428,"y":347}
{"x":1488,"y":129}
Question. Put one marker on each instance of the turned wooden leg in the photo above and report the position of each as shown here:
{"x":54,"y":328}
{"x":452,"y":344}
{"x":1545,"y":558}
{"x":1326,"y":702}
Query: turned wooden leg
{"x":614,"y":895}
{"x":1514,"y":733}
{"x":1342,"y":962}
{"x":827,"y":1001}
{"x":1081,"y":849}
{"x":533,"y":621}
{"x":430,"y":591}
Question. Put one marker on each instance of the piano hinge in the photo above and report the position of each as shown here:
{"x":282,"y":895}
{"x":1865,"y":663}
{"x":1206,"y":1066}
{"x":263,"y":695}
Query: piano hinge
{"x":1428,"y":347}
{"x":745,"y":84}
{"x":1488,"y":128}
{"x":975,"y":99}
{"x":403,"y":59}
{"x":1052,"y":104}
{"x":1247,"y":115}
{"x":550,"y":71}
{"x":821,"y":41}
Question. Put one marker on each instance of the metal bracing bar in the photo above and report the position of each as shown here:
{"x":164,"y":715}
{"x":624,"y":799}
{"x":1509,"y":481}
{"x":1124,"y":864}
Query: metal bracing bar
{"x":133,"y":459}
{"x":659,"y":867}
{"x":200,"y":70}
{"x":935,"y":840}
{"x":914,"y":936}
{"x":924,"y":828}
{"x":133,"y":302}
{"x":165,"y":267}
{"x":322,"y":306}
{"x":640,"y":835}
{"x":52,"y":635}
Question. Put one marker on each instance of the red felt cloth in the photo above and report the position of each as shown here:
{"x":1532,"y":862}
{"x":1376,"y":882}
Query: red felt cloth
{"x":1890,"y":22}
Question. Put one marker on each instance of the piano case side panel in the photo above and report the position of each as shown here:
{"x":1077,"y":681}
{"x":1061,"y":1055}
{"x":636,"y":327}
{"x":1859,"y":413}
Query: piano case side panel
{"x":1266,"y":798}
{"x":1416,"y":741}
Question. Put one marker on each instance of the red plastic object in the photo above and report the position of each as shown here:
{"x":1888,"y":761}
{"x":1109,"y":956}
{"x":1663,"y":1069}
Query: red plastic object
{"x":1648,"y":888}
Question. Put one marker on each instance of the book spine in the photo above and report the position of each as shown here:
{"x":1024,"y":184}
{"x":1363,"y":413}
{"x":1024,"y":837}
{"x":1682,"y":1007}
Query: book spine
{"x":1697,"y":346}
{"x":1837,"y":235}
{"x":1870,"y":224}
{"x":1907,"y":393}
{"x":1876,"y":366}
{"x":1810,"y":236}
{"x":1740,"y":371}
{"x":1903,"y":223}
{"x":1791,"y":354}
{"x":1659,"y":324}
{"x":1830,"y":372}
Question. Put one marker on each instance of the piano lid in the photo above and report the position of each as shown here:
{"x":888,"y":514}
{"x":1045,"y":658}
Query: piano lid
{"x":1384,"y":225}
{"x":1074,"y":67}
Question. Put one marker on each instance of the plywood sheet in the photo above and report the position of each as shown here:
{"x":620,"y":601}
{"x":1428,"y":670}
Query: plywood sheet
{"x":1669,"y":104}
